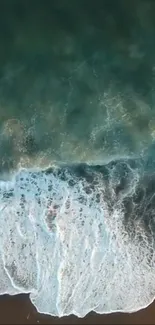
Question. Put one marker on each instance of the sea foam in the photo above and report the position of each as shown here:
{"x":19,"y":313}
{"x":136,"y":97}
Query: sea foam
{"x":79,"y":237}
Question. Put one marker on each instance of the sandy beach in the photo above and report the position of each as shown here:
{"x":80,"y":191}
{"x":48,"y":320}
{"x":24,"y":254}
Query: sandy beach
{"x":19,"y":310}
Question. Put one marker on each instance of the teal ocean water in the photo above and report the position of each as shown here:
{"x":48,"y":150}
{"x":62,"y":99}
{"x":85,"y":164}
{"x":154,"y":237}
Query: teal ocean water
{"x":77,"y":154}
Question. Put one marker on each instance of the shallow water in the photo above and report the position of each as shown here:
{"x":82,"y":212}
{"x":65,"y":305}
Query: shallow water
{"x":73,"y":231}
{"x":77,"y":130}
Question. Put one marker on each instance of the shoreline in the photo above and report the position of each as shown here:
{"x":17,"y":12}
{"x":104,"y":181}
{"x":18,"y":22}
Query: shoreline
{"x":19,"y":310}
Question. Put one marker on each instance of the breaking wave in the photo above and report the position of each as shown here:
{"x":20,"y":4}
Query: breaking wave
{"x":79,"y":230}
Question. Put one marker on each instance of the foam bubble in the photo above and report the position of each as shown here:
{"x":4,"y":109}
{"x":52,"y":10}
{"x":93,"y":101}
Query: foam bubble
{"x":78,"y":231}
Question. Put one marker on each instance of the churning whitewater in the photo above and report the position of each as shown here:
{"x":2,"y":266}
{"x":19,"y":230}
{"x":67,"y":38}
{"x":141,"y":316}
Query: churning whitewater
{"x":79,"y":230}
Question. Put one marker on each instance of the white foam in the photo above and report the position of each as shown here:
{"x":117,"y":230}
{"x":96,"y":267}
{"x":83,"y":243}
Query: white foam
{"x":68,"y":248}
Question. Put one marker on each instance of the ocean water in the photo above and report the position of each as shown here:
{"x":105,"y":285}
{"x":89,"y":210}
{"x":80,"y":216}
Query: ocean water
{"x":77,"y":154}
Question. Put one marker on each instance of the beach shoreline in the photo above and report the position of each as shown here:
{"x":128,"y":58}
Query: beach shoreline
{"x":19,"y":310}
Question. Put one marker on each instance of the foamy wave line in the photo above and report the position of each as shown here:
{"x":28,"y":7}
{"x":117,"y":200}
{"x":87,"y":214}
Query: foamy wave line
{"x":63,"y":240}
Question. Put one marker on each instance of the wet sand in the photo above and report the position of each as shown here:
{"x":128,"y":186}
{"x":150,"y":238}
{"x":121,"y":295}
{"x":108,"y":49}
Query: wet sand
{"x":19,"y":310}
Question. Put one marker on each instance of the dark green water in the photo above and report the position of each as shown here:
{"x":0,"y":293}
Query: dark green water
{"x":76,"y":81}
